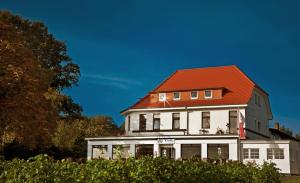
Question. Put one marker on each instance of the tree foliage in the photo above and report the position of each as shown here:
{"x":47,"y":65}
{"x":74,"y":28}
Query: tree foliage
{"x":70,"y":136}
{"x":25,"y":114}
{"x":52,"y":56}
{"x":286,"y":130}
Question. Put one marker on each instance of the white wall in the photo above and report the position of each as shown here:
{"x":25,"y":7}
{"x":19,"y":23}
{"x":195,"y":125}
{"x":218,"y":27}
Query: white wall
{"x":218,"y":120}
{"x":258,"y":113}
{"x":283,"y":164}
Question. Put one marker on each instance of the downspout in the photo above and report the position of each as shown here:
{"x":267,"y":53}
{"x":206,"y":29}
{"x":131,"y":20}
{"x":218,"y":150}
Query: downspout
{"x":187,"y":121}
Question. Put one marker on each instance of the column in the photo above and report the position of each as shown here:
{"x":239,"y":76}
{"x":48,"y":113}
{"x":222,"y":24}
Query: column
{"x":156,"y":150}
{"x":233,"y":152}
{"x":132,"y":150}
{"x":204,"y":151}
{"x":177,"y":151}
{"x":109,"y":151}
{"x":89,"y":151}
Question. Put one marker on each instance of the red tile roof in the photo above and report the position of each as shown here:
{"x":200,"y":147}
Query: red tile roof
{"x":239,"y":87}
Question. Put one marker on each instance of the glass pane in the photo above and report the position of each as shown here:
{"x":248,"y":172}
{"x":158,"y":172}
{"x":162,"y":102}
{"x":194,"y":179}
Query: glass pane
{"x":269,"y":153}
{"x":233,"y":122}
{"x":190,"y":150}
{"x":143,"y":150}
{"x":142,"y":121}
{"x":254,"y":153}
{"x":99,"y":151}
{"x":156,"y":124}
{"x":121,"y":151}
{"x":218,"y":151}
{"x":194,"y":94}
{"x":176,"y":115}
{"x":206,"y":114}
{"x":176,"y":95}
{"x":246,"y":153}
{"x":176,"y":124}
{"x":208,"y":93}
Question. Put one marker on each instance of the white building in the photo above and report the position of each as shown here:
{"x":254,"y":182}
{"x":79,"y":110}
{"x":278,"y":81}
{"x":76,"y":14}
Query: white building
{"x":212,"y":113}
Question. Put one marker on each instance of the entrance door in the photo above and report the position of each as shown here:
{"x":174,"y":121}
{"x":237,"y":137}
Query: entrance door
{"x":168,"y":152}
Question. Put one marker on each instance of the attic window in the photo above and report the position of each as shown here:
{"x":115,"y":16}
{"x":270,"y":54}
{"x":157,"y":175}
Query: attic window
{"x":162,"y":97}
{"x":207,"y":94}
{"x":176,"y":96}
{"x":194,"y":94}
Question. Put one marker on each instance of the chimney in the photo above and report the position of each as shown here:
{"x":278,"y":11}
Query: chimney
{"x":276,"y":125}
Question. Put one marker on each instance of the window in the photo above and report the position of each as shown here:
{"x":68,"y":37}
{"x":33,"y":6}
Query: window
{"x":120,"y":151}
{"x":143,"y":150}
{"x":278,"y":153}
{"x":189,"y":151}
{"x":246,"y":153}
{"x":99,"y":151}
{"x":176,"y":96}
{"x":251,"y":153}
{"x":254,"y":153}
{"x":128,"y":123}
{"x":176,"y":121}
{"x":162,"y":97}
{"x":233,"y":122}
{"x":207,"y":94}
{"x":258,"y":125}
{"x":205,"y":120}
{"x":257,"y":99}
{"x":275,"y":153}
{"x":156,"y":121}
{"x":194,"y":94}
{"x":143,"y":121}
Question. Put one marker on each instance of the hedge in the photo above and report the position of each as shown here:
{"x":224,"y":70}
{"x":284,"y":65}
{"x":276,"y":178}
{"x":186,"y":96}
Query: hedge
{"x":42,"y":168}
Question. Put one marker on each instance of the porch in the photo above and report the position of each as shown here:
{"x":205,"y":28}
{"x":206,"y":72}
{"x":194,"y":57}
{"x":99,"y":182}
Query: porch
{"x":174,"y":147}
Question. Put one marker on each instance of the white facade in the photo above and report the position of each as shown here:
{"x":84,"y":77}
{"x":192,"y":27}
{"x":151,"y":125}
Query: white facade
{"x":287,"y":161}
{"x":238,"y":131}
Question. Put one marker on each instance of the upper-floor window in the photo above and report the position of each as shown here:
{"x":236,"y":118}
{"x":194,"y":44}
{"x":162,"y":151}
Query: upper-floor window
{"x":128,"y":127}
{"x":208,"y":94}
{"x":176,"y":96}
{"x":257,"y":99}
{"x":251,"y":153}
{"x":156,"y":121}
{"x":275,"y":153}
{"x":258,"y":126}
{"x":162,"y":97}
{"x":194,"y":94}
{"x":205,"y":120}
{"x":143,"y":121}
{"x":233,"y":122}
{"x":176,"y":121}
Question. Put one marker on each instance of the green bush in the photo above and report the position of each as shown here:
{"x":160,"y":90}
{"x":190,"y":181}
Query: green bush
{"x":44,"y":169}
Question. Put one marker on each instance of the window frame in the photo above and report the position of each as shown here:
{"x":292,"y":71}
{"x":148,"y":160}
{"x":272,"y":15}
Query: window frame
{"x":205,"y":117}
{"x":145,"y":116}
{"x":173,"y":120}
{"x":194,"y":98}
{"x":274,"y":154}
{"x":246,"y":150}
{"x":254,"y":155}
{"x":165,"y":97}
{"x":155,"y":118}
{"x":128,"y":123}
{"x":179,"y":96}
{"x":211,"y":94}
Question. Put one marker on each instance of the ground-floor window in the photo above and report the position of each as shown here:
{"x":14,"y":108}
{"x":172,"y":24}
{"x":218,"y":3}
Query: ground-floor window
{"x":120,"y":151}
{"x":189,"y":151}
{"x":275,"y":153}
{"x":251,"y":153}
{"x":167,"y":152}
{"x":143,"y":150}
{"x":99,"y":151}
{"x":217,"y":151}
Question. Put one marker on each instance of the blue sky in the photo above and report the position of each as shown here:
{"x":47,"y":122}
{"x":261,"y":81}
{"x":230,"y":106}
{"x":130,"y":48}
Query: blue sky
{"x":126,"y":47}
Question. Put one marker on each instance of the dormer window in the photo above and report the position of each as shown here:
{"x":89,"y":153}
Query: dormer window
{"x":162,"y":97}
{"x":207,"y":94}
{"x":194,"y":95}
{"x":176,"y":96}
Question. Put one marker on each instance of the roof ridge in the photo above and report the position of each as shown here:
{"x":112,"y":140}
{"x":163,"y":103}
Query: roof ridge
{"x":210,"y":67}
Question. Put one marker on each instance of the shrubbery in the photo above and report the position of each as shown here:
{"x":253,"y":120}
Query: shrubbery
{"x":43,"y":169}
